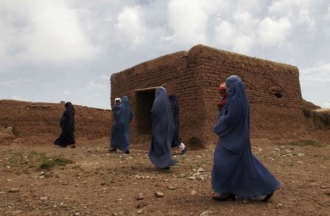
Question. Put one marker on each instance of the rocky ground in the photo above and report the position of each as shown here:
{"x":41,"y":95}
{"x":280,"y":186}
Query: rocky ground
{"x":88,"y":180}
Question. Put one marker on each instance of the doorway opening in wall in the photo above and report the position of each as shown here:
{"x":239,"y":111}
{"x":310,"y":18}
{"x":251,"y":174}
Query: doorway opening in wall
{"x":144,"y":100}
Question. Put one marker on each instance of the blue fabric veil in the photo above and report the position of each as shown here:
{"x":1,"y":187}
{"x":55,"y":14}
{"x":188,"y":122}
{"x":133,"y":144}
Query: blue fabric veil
{"x":176,"y":118}
{"x":67,"y":123}
{"x":160,"y":153}
{"x":118,"y":129}
{"x":128,"y":116}
{"x":236,"y":170}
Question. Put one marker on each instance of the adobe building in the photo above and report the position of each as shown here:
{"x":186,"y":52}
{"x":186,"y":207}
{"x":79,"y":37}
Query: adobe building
{"x":273,"y":91}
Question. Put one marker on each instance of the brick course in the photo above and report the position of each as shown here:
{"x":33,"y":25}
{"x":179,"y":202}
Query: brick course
{"x":194,"y":77}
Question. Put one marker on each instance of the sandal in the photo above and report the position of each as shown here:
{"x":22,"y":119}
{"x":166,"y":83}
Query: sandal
{"x":112,"y":150}
{"x":267,"y":197}
{"x":224,"y":197}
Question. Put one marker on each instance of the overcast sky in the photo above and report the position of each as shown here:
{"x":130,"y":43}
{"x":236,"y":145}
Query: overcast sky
{"x":53,"y":50}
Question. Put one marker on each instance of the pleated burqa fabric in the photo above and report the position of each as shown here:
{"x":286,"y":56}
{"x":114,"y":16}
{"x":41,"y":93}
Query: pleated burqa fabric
{"x":67,"y":123}
{"x":175,"y":114}
{"x":163,"y":130}
{"x":120,"y":131}
{"x":128,"y":116}
{"x":236,"y":170}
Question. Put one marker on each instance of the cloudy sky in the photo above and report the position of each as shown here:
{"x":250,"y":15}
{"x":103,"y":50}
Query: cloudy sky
{"x":53,"y":50}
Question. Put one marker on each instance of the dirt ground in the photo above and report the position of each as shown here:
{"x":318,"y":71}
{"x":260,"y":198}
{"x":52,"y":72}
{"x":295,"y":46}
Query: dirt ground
{"x":88,"y":180}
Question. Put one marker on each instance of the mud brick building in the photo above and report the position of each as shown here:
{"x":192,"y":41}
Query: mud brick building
{"x":273,"y":91}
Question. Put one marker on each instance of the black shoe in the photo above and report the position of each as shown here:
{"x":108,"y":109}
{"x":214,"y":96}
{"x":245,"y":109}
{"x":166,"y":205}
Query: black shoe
{"x":127,"y":152}
{"x":112,"y":150}
{"x":225,"y":197}
{"x":166,"y":168}
{"x":267,"y":197}
{"x":184,"y":151}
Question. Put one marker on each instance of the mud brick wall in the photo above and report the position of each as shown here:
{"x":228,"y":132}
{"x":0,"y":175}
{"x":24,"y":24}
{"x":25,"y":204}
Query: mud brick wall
{"x":273,"y":90}
{"x":179,"y":78}
{"x":28,"y":119}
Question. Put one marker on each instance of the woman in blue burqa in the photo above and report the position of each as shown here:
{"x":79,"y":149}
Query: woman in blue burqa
{"x":67,"y":123}
{"x":120,"y":131}
{"x":236,"y":171}
{"x":163,"y":128}
{"x":176,"y":119}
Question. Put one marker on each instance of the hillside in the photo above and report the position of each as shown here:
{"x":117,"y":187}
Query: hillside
{"x":40,"y":121}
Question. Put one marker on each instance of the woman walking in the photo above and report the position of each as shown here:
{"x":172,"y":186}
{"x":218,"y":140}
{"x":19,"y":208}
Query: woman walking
{"x":236,"y":171}
{"x":67,"y":123}
{"x":120,"y":131}
{"x":160,"y":153}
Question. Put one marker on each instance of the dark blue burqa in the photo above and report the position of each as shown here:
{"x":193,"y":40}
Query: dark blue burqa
{"x":67,"y":123}
{"x":175,"y":114}
{"x":120,"y":131}
{"x":160,"y":153}
{"x":236,"y":170}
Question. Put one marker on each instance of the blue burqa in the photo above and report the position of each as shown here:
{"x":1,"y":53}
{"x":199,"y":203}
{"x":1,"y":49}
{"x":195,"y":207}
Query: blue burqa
{"x":67,"y":123}
{"x":120,"y":131}
{"x":160,"y":153}
{"x":236,"y":170}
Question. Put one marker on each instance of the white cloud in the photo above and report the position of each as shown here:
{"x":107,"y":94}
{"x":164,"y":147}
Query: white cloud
{"x":326,"y":105}
{"x":244,"y":22}
{"x":47,"y":31}
{"x":225,"y":33}
{"x":272,"y":32}
{"x":325,"y":68}
{"x":327,"y":15}
{"x":93,"y":84}
{"x":10,"y":84}
{"x":243,"y":44}
{"x":238,"y":33}
{"x":168,"y":39}
{"x":320,"y":73}
{"x":188,"y":21}
{"x":106,"y":77}
{"x":243,"y":18}
{"x":130,"y":24}
{"x":17,"y":98}
{"x":52,"y":35}
{"x":281,"y":7}
{"x":245,"y":5}
{"x":9,"y":42}
{"x":304,"y":17}
{"x":211,"y":7}
{"x":67,"y":92}
{"x":303,"y":14}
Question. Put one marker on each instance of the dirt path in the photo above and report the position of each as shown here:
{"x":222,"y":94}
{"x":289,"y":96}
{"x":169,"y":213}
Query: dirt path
{"x":90,"y":181}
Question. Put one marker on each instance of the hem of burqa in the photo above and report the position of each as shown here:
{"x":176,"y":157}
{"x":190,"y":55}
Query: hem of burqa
{"x":161,"y":163}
